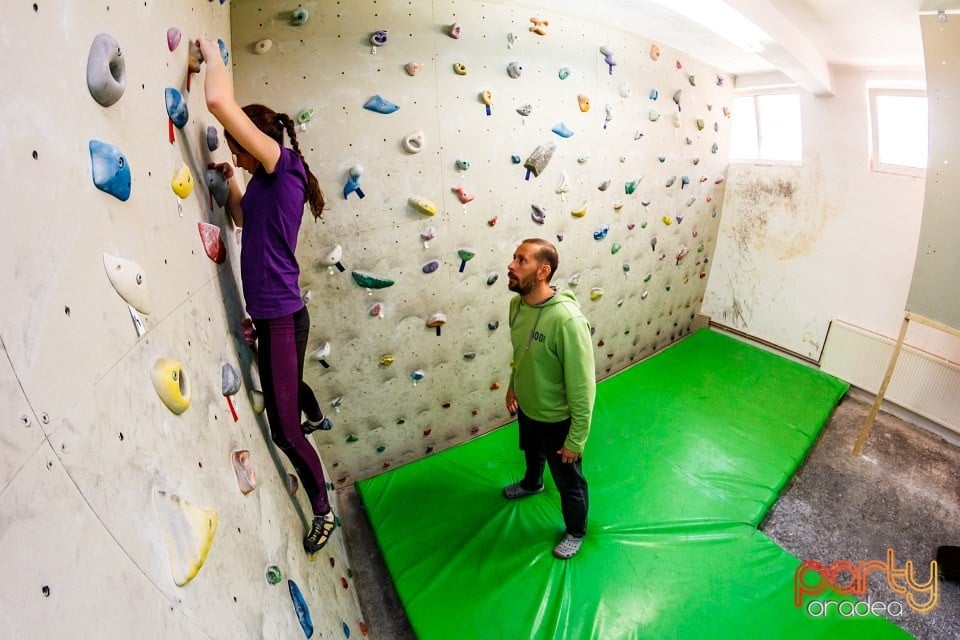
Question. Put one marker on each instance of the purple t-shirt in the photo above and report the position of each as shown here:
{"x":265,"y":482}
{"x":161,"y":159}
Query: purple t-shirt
{"x":272,"y":210}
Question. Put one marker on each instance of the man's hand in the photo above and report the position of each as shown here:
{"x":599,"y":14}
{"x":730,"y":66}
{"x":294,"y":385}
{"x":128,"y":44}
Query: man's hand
{"x":567,"y":456}
{"x":511,"y":402}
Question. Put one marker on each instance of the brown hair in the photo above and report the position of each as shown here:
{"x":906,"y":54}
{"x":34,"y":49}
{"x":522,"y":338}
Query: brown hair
{"x":546,"y":252}
{"x":274,"y":124}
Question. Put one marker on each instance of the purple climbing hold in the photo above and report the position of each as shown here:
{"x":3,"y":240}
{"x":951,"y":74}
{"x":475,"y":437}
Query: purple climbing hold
{"x":431,"y":266}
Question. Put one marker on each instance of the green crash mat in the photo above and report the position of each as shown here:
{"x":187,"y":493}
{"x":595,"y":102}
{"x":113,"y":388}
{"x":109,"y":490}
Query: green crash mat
{"x":688,"y":451}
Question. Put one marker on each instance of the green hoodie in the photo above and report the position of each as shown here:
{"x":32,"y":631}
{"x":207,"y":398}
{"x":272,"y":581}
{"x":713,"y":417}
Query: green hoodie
{"x":553,"y":374}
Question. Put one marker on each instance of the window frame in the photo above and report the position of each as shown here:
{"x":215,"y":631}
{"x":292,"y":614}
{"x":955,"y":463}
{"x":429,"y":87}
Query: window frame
{"x":755,"y":94}
{"x":874,"y":152}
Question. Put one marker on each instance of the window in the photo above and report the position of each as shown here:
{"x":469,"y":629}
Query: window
{"x":766,"y":127}
{"x":898,"y":126}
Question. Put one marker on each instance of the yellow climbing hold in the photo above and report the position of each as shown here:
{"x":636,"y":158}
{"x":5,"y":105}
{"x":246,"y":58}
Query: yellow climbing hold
{"x":182,"y":183}
{"x":423,"y":205}
{"x":386,"y":360}
{"x":667,"y":220}
{"x":172,"y":384}
{"x":188,"y":533}
{"x":596,"y":293}
{"x":579,"y":213}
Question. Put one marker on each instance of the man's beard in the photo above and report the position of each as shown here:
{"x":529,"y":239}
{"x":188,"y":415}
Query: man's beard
{"x":521,"y":287}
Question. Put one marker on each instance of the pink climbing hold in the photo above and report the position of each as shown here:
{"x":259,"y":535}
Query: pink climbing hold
{"x":463,"y":195}
{"x":212,"y":242}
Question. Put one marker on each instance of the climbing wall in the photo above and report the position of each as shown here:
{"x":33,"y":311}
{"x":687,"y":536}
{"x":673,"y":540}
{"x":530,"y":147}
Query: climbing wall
{"x":123,"y":465}
{"x":422,"y":167}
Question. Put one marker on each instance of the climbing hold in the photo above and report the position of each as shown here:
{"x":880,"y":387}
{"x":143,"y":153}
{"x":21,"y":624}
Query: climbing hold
{"x":413,"y":142}
{"x":614,"y":248}
{"x":273,"y":574}
{"x":662,"y":159}
{"x":524,"y":110}
{"x":700,"y":124}
{"x":626,"y":267}
{"x":654,"y":52}
{"x":299,"y":18}
{"x":574,"y":280}
{"x":417,"y":376}
{"x":336,"y":403}
{"x":653,"y":115}
{"x":346,"y":629}
{"x":692,"y":80}
{"x":514,"y":69}
{"x":305,"y":115}
{"x":301,"y":609}
{"x":511,"y":40}
{"x":608,"y":58}
{"x":684,"y":181}
{"x":379,"y":38}
{"x":370,"y":281}
{"x":631,"y":225}
{"x":515,"y":159}
{"x":653,"y":242}
{"x":262,"y":46}
{"x":173,"y":38}
{"x":463,"y":165}
{"x":459,"y":68}
{"x":427,"y":235}
{"x":213,"y":138}
{"x":194,"y":60}
{"x":128,"y":280}
{"x":257,"y":402}
{"x":229,"y":379}
{"x":596,"y":293}
{"x":607,"y":114}
{"x":493,"y":326}
{"x":579,"y":212}
{"x":539,"y":213}
{"x":332,"y":259}
{"x":654,"y":94}
{"x":714,"y":148}
{"x":487,"y":99}
{"x":582,"y":159}
{"x":469,"y":355}
{"x":603,"y":186}
{"x":380,"y":104}
{"x":377,"y":310}
{"x":583,"y":102}
{"x":386,"y":360}
{"x":187,"y":532}
{"x":643,"y":296}
{"x":212,"y":242}
{"x":539,"y":26}
{"x":431,"y":266}
{"x":537,"y":161}
{"x":601,"y":231}
{"x":564,"y":73}
{"x":462,"y":195}
{"x":454,"y":30}
{"x":218,"y":186}
{"x":492,"y":277}
{"x":563,"y":188}
{"x":676,"y":120}
{"x":246,"y":474}
{"x":353,"y":438}
{"x":625,"y":90}
{"x":682,"y":251}
{"x":172,"y":384}
{"x":617,"y":205}
{"x":352,"y":183}
{"x":631,"y":186}
{"x":671,"y":180}
{"x":106,"y":77}
{"x":494,"y":385}
{"x":465,"y":255}
{"x":177,"y":112}
{"x":110,"y":170}
{"x":321,"y":353}
{"x":182,"y":181}
{"x":677,"y":95}
{"x":422,"y":205}
{"x":436,"y":320}
{"x":691,"y":200}
{"x":413,"y":68}
{"x":647,"y":277}
{"x":562,"y":130}
{"x":667,"y":220}
{"x":726,"y":111}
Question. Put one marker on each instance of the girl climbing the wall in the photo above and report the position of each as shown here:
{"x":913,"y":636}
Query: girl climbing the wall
{"x":270,"y":212}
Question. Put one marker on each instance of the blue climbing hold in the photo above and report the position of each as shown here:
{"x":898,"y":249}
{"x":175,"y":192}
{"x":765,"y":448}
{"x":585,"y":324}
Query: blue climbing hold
{"x":176,"y":107}
{"x":300,"y":607}
{"x":346,"y":630}
{"x":111,"y":171}
{"x":223,"y":51}
{"x":515,"y":159}
{"x":601,"y":232}
{"x":380,"y":105}
{"x":562,"y":130}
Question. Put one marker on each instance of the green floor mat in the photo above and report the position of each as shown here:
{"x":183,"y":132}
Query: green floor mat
{"x":689,"y":449}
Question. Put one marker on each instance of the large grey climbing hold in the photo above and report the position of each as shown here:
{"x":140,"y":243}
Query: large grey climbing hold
{"x":106,"y":77}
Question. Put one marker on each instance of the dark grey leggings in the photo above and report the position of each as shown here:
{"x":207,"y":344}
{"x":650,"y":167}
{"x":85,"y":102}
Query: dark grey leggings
{"x":282,"y":344}
{"x":540,"y":442}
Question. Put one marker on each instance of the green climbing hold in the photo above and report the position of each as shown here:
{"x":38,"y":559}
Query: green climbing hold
{"x":273,"y":574}
{"x":370,"y":281}
{"x":352,"y":438}
{"x":614,"y":248}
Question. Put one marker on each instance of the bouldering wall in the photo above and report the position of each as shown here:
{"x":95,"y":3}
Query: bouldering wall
{"x":119,"y":516}
{"x":420,"y":121}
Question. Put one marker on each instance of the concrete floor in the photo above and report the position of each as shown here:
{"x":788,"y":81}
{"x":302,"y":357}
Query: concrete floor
{"x":903,"y":493}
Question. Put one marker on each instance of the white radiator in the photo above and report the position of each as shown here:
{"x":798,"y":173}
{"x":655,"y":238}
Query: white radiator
{"x":923,"y":383}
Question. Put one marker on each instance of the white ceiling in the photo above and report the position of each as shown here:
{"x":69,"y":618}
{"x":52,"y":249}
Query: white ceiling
{"x":800,"y":38}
